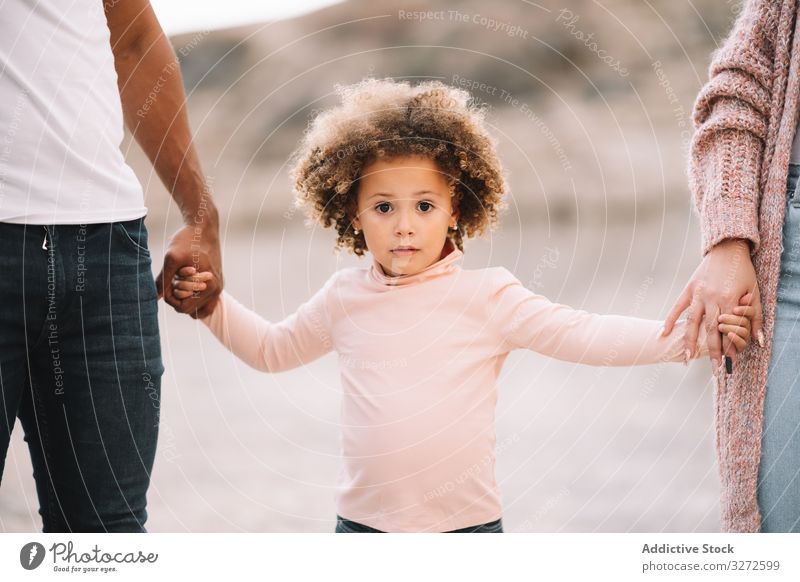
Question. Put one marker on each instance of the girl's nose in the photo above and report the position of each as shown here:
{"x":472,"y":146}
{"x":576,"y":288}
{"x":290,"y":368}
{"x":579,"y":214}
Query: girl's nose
{"x":404,"y":224}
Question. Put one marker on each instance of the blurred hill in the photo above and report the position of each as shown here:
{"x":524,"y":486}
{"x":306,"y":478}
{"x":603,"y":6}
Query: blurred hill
{"x":591,"y":101}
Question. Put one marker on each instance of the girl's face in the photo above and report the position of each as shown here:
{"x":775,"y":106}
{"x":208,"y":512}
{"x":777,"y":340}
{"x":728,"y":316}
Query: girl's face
{"x":404,"y":210}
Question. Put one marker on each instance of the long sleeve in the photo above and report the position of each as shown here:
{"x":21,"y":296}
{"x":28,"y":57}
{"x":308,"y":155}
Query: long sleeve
{"x":524,"y":319}
{"x":730,"y":116}
{"x":274,"y":347}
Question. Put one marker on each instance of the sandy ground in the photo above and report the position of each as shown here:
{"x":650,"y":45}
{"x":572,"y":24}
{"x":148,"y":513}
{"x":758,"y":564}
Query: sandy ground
{"x":579,"y":449}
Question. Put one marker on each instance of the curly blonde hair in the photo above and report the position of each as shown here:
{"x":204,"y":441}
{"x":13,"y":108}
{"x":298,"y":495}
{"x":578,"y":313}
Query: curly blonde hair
{"x":385,"y":119}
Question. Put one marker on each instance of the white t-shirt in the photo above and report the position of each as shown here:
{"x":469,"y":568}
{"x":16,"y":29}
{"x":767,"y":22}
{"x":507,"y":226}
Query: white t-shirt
{"x":61,"y":121}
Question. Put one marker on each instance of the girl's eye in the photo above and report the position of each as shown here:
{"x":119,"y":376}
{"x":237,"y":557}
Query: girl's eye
{"x":385,"y":207}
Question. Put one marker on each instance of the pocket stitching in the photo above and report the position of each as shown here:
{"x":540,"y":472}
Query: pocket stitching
{"x":136,"y":246}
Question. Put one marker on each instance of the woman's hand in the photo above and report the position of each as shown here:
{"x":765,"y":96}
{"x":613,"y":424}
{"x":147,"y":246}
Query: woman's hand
{"x":725,"y":275}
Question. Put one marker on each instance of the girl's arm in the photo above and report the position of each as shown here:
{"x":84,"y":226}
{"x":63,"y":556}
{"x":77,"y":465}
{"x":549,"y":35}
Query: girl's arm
{"x":300,"y":338}
{"x":526,"y":320}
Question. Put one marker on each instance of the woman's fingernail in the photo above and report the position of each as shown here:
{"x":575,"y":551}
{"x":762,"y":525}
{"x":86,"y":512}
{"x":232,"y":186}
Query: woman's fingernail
{"x":687,"y":355}
{"x":760,"y":337}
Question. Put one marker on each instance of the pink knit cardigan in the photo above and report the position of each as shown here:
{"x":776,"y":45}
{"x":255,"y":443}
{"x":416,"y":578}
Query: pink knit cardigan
{"x":745,"y":118}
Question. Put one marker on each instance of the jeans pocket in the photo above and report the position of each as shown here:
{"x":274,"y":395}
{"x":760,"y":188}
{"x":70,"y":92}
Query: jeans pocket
{"x":133,"y":234}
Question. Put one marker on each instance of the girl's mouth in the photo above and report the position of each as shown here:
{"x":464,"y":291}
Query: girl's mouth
{"x":404,"y":251}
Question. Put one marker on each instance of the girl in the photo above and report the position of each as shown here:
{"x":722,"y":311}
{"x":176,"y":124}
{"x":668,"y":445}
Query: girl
{"x":406,"y":172}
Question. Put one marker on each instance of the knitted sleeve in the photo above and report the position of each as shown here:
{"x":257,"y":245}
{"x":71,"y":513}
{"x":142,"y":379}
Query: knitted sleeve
{"x":730,"y":117}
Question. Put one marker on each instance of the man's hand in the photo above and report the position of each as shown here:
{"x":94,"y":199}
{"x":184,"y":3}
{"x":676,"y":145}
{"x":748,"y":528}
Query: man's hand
{"x":724,"y":276}
{"x":203,"y":254}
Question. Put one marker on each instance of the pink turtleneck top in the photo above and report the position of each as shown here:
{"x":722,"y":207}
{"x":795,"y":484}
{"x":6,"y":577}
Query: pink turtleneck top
{"x":419,"y":357}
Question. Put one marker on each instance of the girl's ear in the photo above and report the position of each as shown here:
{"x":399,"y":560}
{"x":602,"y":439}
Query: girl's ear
{"x":352,"y":212}
{"x":455,"y":215}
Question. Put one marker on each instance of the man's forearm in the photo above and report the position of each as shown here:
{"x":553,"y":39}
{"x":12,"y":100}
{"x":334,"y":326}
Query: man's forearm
{"x":154,"y":106}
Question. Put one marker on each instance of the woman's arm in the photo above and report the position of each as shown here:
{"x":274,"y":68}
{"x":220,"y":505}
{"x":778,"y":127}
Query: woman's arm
{"x":302,"y":337}
{"x":731,"y":116}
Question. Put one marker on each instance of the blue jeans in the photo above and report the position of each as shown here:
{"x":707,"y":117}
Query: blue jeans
{"x":80,"y":365}
{"x":346,"y":526}
{"x":779,"y":469}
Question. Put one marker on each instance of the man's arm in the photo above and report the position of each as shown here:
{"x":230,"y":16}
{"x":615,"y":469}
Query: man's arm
{"x":154,"y":106}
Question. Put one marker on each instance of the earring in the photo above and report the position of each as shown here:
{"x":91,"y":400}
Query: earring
{"x":455,"y":227}
{"x":355,"y":231}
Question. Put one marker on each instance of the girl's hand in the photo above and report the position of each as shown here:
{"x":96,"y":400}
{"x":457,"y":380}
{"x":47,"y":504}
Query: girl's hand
{"x":189,"y":283}
{"x":736,"y":326}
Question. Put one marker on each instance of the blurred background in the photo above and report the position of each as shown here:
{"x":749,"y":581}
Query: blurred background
{"x":591,"y":103}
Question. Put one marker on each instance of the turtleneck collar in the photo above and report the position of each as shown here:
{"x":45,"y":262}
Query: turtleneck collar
{"x":447,"y":263}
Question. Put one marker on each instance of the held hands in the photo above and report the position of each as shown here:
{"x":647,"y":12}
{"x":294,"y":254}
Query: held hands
{"x":203,"y":250}
{"x":734,"y":327}
{"x":724,"y":278}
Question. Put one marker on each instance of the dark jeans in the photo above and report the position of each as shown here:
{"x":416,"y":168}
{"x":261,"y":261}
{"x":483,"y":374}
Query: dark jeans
{"x":80,"y":365}
{"x":346,"y":526}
